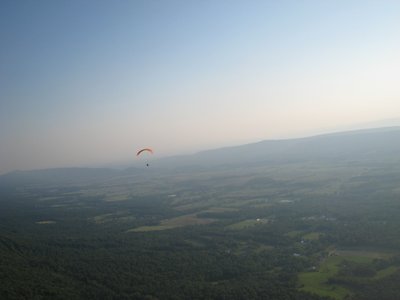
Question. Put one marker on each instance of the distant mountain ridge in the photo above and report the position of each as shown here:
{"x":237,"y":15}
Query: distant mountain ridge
{"x":364,"y":146}
{"x":350,"y":145}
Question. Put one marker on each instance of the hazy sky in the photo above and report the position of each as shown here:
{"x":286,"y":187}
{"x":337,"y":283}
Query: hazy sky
{"x":90,"y":82}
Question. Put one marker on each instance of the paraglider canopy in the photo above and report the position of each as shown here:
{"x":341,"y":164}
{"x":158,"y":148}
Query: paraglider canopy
{"x":144,"y":150}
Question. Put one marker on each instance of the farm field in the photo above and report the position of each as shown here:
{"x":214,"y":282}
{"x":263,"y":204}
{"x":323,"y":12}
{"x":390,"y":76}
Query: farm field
{"x":181,"y":221}
{"x":319,"y":281}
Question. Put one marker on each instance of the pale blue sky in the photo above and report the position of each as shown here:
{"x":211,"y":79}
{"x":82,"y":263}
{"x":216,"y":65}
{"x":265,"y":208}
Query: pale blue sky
{"x":89,"y":82}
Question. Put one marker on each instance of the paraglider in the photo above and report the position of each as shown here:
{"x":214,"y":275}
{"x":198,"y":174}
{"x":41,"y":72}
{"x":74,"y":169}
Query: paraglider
{"x":149,"y":150}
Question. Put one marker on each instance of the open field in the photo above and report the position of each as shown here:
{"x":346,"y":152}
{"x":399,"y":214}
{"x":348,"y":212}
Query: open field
{"x":386,"y":272}
{"x":186,"y":220}
{"x":361,"y":255}
{"x":294,"y":233}
{"x":312,"y":236}
{"x":45,"y":222}
{"x":246,"y":224}
{"x":318,"y":281}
